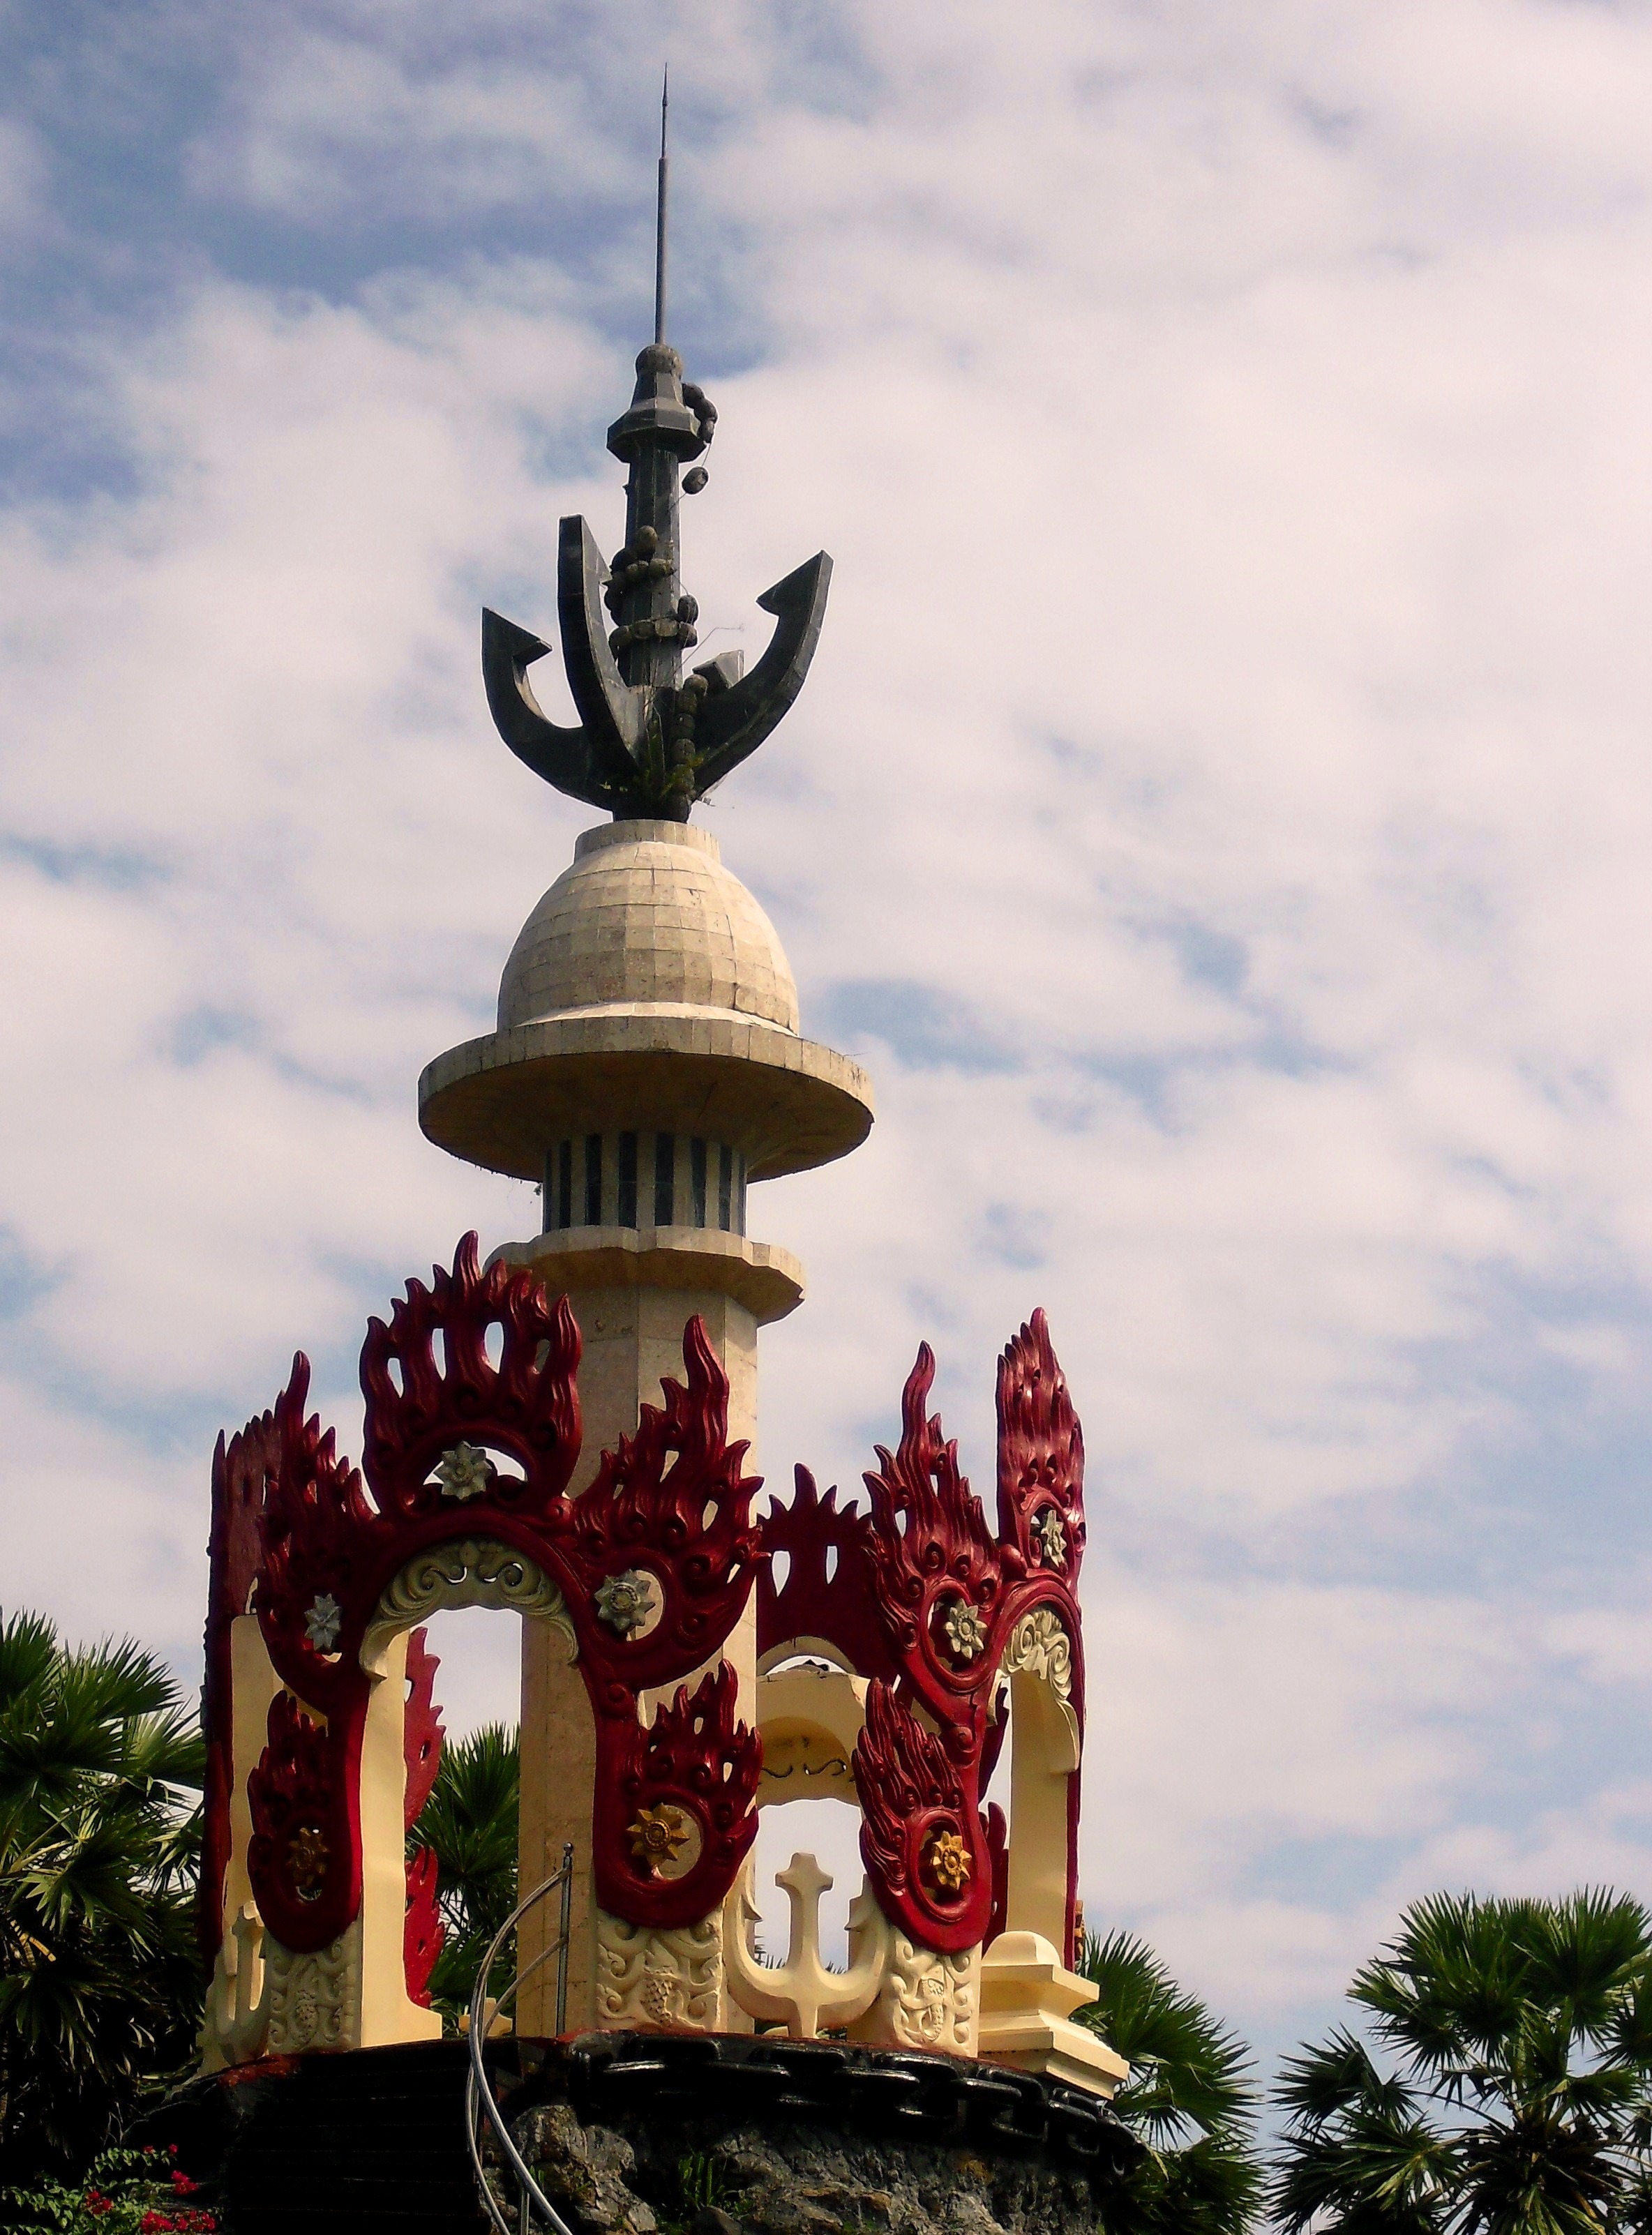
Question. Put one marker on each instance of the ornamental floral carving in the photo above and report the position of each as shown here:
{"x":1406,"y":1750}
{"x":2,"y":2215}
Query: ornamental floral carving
{"x":472,"y":1410}
{"x":917,"y":1811}
{"x":303,"y":1858}
{"x":677,"y":1494}
{"x":958,"y":1608}
{"x":471,"y":1439}
{"x":929,"y":2001}
{"x":1040,"y":1457}
{"x":311,"y":1995}
{"x":650,"y":1978}
{"x":680,"y":1790}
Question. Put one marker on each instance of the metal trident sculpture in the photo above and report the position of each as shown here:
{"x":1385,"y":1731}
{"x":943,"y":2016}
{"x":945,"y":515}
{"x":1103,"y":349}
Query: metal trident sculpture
{"x":649,"y":741}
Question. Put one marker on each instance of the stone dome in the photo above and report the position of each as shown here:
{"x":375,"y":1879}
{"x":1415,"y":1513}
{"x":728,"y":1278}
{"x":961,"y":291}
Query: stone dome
{"x":646,"y":919}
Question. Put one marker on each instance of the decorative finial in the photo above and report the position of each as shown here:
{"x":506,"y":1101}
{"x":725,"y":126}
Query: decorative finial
{"x":649,"y":741}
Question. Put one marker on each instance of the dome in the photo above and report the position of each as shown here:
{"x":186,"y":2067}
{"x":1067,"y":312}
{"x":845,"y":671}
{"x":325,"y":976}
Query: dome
{"x":646,"y":919}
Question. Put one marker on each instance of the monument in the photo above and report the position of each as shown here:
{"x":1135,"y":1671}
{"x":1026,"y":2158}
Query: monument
{"x":566,"y":1432}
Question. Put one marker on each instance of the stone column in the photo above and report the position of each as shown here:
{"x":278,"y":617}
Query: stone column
{"x":633,"y":1342}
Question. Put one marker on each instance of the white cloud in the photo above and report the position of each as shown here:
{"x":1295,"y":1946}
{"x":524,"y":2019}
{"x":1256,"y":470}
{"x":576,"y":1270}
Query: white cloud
{"x":1219,"y":813}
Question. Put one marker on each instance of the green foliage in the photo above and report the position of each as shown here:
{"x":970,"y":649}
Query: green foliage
{"x":99,"y":1986}
{"x":1513,"y":2094}
{"x":469,"y":1821}
{"x":1188,"y":2100}
{"x":122,"y":2193}
{"x":702,"y":2182}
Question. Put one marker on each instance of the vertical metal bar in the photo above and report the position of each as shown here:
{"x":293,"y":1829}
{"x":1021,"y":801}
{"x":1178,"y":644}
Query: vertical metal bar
{"x":660,"y":216}
{"x":563,"y":1953}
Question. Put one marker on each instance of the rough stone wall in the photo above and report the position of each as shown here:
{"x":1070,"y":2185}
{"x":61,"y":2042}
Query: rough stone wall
{"x":790,"y":2177}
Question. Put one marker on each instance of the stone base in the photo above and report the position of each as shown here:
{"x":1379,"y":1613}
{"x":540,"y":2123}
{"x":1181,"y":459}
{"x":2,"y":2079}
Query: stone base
{"x":653,"y":2134}
{"x":632,"y":2135}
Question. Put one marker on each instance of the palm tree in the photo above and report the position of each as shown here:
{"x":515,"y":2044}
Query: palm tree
{"x":470,"y":1822}
{"x":100,"y":1988}
{"x":1189,"y":2102}
{"x":1507,"y":2092}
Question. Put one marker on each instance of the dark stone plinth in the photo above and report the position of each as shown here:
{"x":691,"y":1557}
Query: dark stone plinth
{"x":653,"y":2134}
{"x":353,"y":2142}
{"x":633,"y":2133}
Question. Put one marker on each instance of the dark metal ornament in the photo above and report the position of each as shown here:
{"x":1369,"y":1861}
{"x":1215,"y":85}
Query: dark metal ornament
{"x":647,"y":743}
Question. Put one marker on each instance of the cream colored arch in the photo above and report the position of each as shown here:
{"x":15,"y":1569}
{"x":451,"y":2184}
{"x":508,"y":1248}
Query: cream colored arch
{"x":1043,"y":1756}
{"x":471,"y":1571}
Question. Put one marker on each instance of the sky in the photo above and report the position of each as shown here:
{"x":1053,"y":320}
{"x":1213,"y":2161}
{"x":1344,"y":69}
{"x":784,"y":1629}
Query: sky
{"x":1219,"y":816}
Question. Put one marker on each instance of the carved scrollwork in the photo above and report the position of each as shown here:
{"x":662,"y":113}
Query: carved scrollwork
{"x":926,"y":1999}
{"x":922,"y":1836}
{"x":312,"y":1996}
{"x":1040,"y":1645}
{"x":1040,"y":1459}
{"x":956,"y":1609}
{"x":694,"y":1762}
{"x":475,"y":1571}
{"x":304,"y":1858}
{"x":647,"y":1976}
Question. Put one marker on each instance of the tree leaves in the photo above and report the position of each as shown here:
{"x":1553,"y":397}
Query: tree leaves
{"x":469,"y":1821}
{"x":99,"y":1982}
{"x":1190,"y":2098}
{"x":1520,"y":2035}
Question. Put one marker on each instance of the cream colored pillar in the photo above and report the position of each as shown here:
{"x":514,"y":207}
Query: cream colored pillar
{"x":386,"y":2014}
{"x":633,"y":1342}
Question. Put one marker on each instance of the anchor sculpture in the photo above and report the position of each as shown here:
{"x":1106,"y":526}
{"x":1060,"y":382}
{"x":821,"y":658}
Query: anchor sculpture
{"x":649,"y":741}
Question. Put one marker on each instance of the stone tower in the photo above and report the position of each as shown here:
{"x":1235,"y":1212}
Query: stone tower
{"x":646,"y":1070}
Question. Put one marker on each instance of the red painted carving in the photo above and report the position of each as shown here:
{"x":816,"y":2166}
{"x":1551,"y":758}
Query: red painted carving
{"x":421,"y":1736}
{"x":826,"y":1597}
{"x":526,"y":1407}
{"x":422,"y":1731}
{"x":327,"y":1544}
{"x":933,"y":1557}
{"x":996,"y":1825}
{"x":687,"y":1781}
{"x":321,"y":1540}
{"x":673,"y":1504}
{"x":1040,"y":1459}
{"x":473,"y":1430}
{"x":921,"y":1835}
{"x":304,"y":1858}
{"x":422,"y":1931}
{"x":240,"y":1469}
{"x":946,"y":1596}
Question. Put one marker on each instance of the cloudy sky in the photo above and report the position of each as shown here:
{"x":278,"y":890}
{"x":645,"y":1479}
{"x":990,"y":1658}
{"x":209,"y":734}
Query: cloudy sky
{"x":1220,"y":815}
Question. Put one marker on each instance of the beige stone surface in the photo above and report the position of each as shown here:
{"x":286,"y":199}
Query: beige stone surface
{"x":766,"y":1281}
{"x":646,"y":913}
{"x":647,"y":989}
{"x":810,"y":1718}
{"x":787,"y":1105}
{"x":1028,"y":2000}
{"x":633,"y":1339}
{"x":386,"y":2013}
{"x":1044,"y":1761}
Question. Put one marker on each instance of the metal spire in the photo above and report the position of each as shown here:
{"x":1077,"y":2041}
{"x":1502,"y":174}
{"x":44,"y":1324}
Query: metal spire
{"x":659,"y":219}
{"x":650,"y":740}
